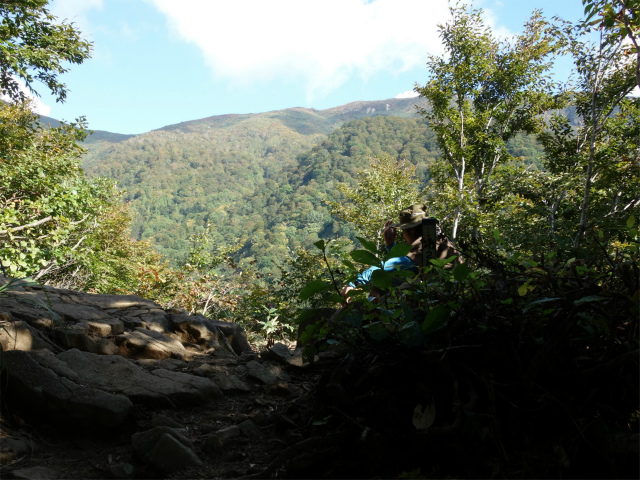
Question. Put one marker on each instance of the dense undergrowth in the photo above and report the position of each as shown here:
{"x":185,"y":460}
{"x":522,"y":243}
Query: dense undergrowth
{"x":504,"y":366}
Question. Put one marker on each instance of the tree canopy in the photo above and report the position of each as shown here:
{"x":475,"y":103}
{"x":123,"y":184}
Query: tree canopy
{"x":34,"y":46}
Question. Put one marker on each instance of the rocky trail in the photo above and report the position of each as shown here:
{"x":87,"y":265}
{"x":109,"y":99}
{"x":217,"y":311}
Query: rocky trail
{"x":105,"y":386}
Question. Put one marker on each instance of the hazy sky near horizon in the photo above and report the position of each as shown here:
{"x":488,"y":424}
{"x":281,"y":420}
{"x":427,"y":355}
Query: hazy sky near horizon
{"x":161,"y":62}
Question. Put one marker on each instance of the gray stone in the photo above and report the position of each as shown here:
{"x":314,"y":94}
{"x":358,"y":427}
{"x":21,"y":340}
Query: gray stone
{"x":157,"y":321}
{"x":235,"y":334}
{"x":222,"y":437}
{"x":79,"y":336}
{"x":106,"y":302}
{"x":12,"y":448}
{"x":249,"y":429}
{"x":119,"y":375}
{"x":144,"y":443}
{"x":169,"y":455}
{"x":279,"y":352}
{"x":36,"y":473}
{"x":133,"y":322}
{"x":98,"y":322}
{"x":122,"y":470}
{"x":35,"y":316}
{"x":267,"y":374}
{"x":221,"y":376}
{"x":164,"y":421}
{"x":20,"y":336}
{"x":193,"y":329}
{"x":171,"y":364}
{"x":143,"y":343}
{"x":35,"y":381}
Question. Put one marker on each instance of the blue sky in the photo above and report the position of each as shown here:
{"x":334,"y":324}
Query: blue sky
{"x":160,"y":62}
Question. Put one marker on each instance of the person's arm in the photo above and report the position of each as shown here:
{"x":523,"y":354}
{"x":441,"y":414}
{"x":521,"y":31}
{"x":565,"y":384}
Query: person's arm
{"x":391,"y":265}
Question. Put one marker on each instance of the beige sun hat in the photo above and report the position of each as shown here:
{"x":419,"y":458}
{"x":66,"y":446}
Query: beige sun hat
{"x":411,"y":216}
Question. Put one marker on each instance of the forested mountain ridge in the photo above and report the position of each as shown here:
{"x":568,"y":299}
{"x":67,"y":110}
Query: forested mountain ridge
{"x":262,"y":176}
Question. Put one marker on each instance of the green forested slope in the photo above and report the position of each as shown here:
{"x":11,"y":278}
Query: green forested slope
{"x":258,"y":177}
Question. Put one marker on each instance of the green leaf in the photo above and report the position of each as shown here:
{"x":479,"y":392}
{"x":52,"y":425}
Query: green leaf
{"x":436,"y":319}
{"x":461,"y":272}
{"x":522,"y":290}
{"x":442,"y":262}
{"x":348,"y":264}
{"x":377,"y":331}
{"x":371,"y":246}
{"x":314,"y":287}
{"x":336,"y":298}
{"x":320,"y":244}
{"x":368,"y":258}
{"x":537,"y":302}
{"x":631,"y":221}
{"x":410,"y":334}
{"x":381,"y":279}
{"x":590,"y":298}
{"x":399,"y":250}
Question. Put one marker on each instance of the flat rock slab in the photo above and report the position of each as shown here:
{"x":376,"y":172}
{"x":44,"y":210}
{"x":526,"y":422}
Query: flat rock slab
{"x":159,"y":388}
{"x":47,"y":386}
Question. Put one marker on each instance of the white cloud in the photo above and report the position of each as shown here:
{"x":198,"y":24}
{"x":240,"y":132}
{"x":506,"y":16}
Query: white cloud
{"x":320,"y":43}
{"x":407,"y":94}
{"x":40,"y":108}
{"x":37,"y":105}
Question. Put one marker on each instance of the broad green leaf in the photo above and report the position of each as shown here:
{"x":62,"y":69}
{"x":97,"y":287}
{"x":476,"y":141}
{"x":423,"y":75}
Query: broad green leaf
{"x":314,"y":287}
{"x":590,"y":298}
{"x":436,"y":319}
{"x":348,"y":264}
{"x":403,"y":273}
{"x":522,"y":290}
{"x":461,"y":272}
{"x":410,"y":334}
{"x":336,"y":298}
{"x":406,"y":310}
{"x":399,"y":250}
{"x":371,"y":246}
{"x":631,"y":221}
{"x":320,"y":244}
{"x":363,"y":256}
{"x":442,"y":262}
{"x":537,"y":302}
{"x":381,"y":279}
{"x":377,"y":331}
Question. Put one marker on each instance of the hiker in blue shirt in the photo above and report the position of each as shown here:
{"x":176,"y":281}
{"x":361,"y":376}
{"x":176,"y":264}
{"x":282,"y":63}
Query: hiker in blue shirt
{"x":411,"y":225}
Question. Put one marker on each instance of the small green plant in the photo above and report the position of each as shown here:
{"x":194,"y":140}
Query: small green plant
{"x":272,"y":328}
